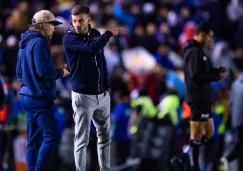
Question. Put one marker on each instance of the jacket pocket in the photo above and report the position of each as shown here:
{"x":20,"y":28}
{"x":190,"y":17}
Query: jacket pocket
{"x":76,"y":101}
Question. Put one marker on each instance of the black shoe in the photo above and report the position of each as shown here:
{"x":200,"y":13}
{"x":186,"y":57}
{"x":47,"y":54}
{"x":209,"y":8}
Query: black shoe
{"x":181,"y":163}
{"x":177,"y":164}
{"x":186,"y":162}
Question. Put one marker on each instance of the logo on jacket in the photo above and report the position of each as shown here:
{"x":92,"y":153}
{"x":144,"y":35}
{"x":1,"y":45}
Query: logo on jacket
{"x":95,"y":37}
{"x":205,"y":115}
{"x":205,"y":58}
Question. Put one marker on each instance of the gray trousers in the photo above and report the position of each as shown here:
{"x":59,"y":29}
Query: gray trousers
{"x":97,"y":109}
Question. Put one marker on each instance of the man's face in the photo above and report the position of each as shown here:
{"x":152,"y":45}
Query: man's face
{"x":81,"y":23}
{"x":49,"y":30}
{"x":208,"y":39}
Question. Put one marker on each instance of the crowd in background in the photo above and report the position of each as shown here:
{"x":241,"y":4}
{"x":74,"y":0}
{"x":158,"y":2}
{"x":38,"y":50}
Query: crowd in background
{"x":145,"y":68}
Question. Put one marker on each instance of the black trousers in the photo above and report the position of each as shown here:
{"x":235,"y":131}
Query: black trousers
{"x":235,"y":150}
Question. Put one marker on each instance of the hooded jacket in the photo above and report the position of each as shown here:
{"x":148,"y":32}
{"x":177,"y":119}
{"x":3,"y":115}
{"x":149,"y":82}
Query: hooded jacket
{"x":34,"y":66}
{"x":86,"y":60}
{"x":199,"y":73}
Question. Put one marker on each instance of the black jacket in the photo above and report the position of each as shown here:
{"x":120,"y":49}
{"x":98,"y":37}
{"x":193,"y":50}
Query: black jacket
{"x":199,"y":72}
{"x":86,"y":60}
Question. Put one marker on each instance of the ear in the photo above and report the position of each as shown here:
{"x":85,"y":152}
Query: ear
{"x":89,"y":19}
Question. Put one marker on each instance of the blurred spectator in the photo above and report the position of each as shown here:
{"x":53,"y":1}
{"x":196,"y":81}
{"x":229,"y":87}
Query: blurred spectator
{"x":221,"y":55}
{"x":142,"y":109}
{"x":148,"y":82}
{"x":188,"y":33}
{"x":139,"y":38}
{"x":151,"y":37}
{"x":8,"y":126}
{"x":168,"y":58}
{"x":159,"y":27}
{"x":235,"y":10}
{"x":235,"y":149}
{"x":19,"y":19}
{"x":186,"y":14}
{"x":163,"y":12}
{"x":9,"y":57}
{"x":168,"y":108}
{"x":121,"y":114}
{"x":123,"y":15}
{"x":234,"y":71}
{"x":148,"y":13}
{"x":162,"y":57}
{"x":117,"y":82}
{"x":108,"y":13}
{"x":164,"y":35}
{"x":112,"y":56}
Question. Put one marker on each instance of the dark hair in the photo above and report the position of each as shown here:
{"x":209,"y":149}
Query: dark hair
{"x":80,"y":9}
{"x":204,"y":28}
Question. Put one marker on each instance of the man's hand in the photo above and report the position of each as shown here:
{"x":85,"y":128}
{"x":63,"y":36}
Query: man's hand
{"x":114,"y":31}
{"x":66,"y":72}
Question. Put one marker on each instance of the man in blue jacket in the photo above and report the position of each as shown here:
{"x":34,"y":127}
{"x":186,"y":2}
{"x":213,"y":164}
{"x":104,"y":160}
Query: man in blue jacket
{"x":38,"y":89}
{"x":90,"y":91}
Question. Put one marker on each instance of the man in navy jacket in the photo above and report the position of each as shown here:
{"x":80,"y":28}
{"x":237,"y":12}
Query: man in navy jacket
{"x":38,"y":89}
{"x":90,"y":91}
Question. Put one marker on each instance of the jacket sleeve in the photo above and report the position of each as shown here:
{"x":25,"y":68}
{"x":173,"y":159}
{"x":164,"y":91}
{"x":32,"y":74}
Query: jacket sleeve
{"x":194,"y":67}
{"x":74,"y":44}
{"x":19,"y":70}
{"x":42,"y":62}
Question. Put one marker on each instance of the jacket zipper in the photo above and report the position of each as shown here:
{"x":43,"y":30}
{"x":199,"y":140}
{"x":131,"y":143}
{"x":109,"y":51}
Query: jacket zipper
{"x":98,"y":73}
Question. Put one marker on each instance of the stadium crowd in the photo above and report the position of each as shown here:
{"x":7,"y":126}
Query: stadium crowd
{"x":145,"y":67}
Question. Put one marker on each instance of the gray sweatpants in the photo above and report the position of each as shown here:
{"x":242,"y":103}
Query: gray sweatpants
{"x":97,"y":108}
